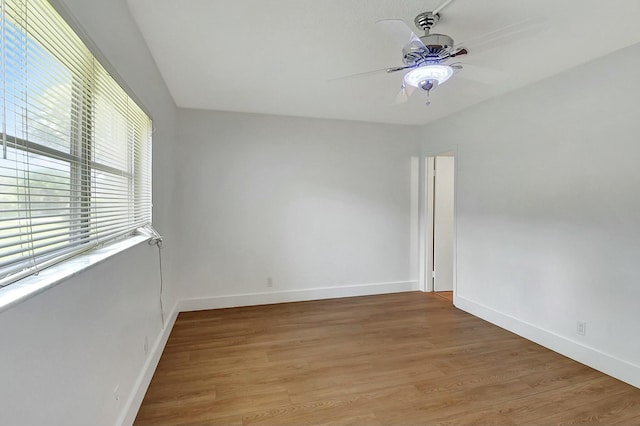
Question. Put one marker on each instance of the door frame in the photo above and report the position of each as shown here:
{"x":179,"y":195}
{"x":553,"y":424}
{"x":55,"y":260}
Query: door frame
{"x":426,"y":214}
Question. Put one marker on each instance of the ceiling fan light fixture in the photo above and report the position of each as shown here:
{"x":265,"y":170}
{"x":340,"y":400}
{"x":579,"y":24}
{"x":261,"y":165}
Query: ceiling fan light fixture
{"x":428,"y":73}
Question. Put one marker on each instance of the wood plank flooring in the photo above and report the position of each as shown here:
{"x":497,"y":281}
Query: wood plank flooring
{"x":398,"y":359}
{"x":447,"y":295}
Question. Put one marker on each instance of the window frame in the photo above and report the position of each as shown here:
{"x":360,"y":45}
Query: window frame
{"x":81,"y":161}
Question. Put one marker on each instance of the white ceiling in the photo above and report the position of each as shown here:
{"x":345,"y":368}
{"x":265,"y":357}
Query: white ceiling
{"x":276,"y":56}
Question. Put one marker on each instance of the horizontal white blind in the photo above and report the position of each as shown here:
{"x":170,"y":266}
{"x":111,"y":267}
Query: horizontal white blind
{"x":75,"y":160}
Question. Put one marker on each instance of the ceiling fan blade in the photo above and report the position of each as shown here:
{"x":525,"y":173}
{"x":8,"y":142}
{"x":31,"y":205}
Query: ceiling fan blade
{"x":401,"y":33}
{"x":457,"y":52}
{"x":441,"y":6}
{"x":359,"y":75}
{"x":372,"y":73}
{"x":505,"y":35}
{"x":395,"y":69}
{"x":479,"y":74}
{"x":404,"y":94}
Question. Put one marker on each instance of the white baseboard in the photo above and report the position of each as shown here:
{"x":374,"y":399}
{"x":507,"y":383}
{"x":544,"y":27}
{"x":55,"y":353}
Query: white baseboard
{"x":606,"y":363}
{"x":133,"y":403}
{"x":268,"y":298}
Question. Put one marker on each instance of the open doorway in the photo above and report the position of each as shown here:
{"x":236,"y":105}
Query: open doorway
{"x":440,"y":209}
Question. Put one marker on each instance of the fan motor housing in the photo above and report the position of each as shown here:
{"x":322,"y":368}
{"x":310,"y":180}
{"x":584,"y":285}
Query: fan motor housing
{"x":441,"y":41}
{"x":438,"y":46}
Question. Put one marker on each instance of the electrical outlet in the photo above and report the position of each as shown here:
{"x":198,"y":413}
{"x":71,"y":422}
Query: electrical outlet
{"x":581,"y":328}
{"x":116,"y":393}
{"x":269,"y":282}
{"x":146,"y":345}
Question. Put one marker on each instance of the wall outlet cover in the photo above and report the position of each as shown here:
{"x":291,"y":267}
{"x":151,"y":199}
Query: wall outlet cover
{"x":581,"y":328}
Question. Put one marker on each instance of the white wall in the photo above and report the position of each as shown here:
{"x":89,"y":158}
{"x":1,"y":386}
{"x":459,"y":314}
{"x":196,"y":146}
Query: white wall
{"x":548,"y":210}
{"x":63,"y":352}
{"x":310,"y":203}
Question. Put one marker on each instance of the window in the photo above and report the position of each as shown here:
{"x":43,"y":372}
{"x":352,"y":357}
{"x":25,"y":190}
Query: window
{"x":75,"y":160}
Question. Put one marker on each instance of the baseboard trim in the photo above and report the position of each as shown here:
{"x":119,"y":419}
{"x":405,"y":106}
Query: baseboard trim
{"x":606,"y":363}
{"x":141,"y":385}
{"x":268,"y":298}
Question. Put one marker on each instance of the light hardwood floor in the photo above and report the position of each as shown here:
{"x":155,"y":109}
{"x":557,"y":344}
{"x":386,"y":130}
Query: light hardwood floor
{"x":407,"y":358}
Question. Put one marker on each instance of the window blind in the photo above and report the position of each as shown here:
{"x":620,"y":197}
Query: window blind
{"x":75,"y":166}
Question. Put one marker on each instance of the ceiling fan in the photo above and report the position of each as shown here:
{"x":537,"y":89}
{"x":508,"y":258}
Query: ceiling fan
{"x":427,"y":59}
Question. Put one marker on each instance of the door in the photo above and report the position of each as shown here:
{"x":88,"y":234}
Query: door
{"x":443,"y":223}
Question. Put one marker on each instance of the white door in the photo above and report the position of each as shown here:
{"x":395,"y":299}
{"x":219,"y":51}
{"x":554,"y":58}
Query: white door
{"x":443,"y":224}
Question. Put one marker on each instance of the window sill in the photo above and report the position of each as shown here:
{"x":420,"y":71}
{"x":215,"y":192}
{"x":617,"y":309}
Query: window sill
{"x":30,"y":286}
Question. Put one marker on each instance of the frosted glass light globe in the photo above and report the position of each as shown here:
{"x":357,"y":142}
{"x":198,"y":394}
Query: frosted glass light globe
{"x":439,"y":73}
